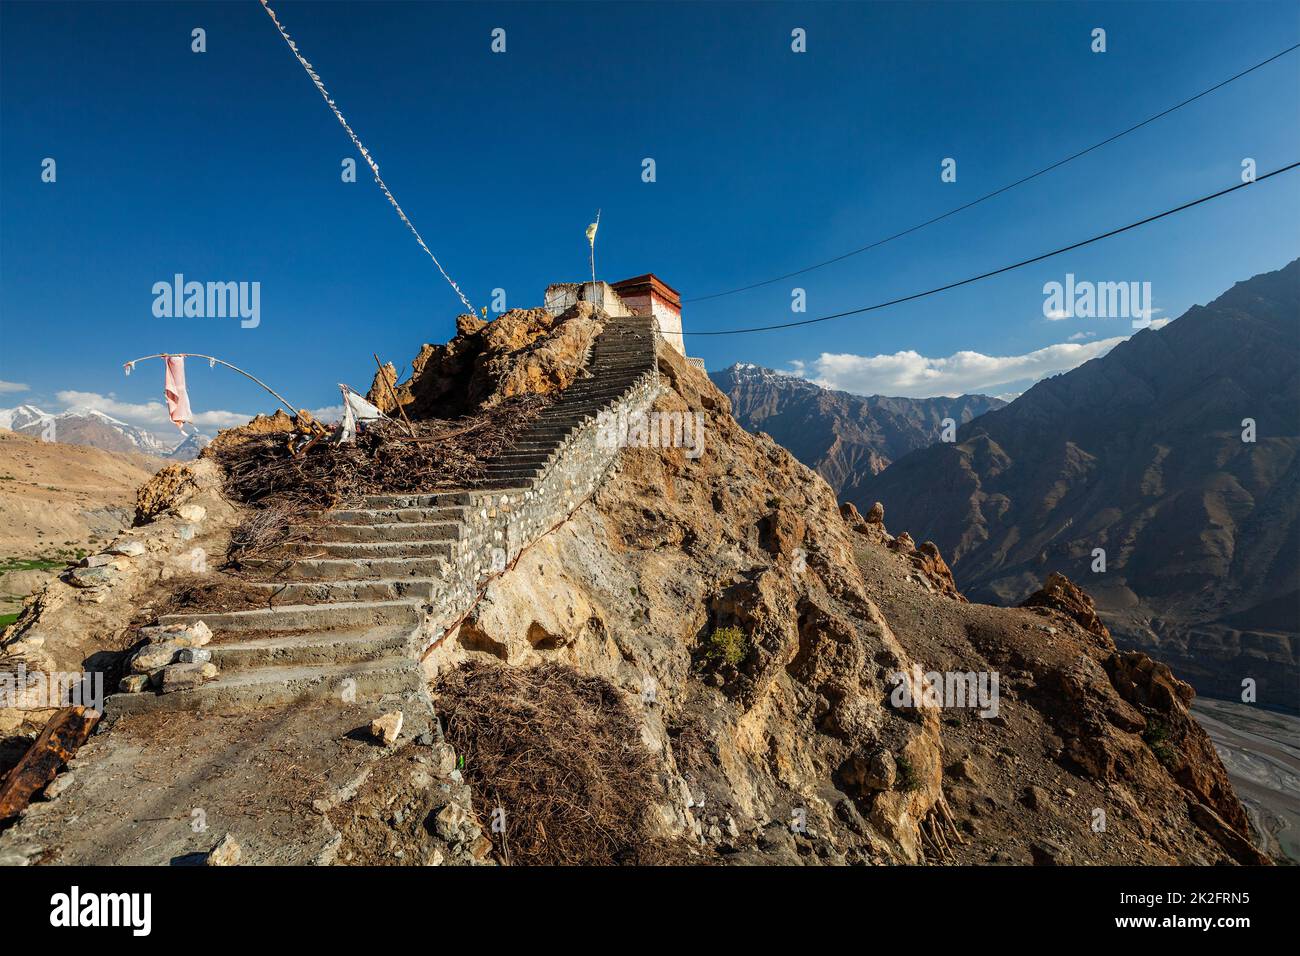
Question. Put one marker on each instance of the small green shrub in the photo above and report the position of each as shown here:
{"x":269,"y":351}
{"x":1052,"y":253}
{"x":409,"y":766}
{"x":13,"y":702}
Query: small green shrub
{"x":1156,"y":737}
{"x":727,"y":644}
{"x":907,"y":778}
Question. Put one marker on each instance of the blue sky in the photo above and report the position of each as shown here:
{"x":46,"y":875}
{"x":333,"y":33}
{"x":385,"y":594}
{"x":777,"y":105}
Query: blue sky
{"x":225,"y":166}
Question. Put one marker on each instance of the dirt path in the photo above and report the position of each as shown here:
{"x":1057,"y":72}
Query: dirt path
{"x":163,"y":788}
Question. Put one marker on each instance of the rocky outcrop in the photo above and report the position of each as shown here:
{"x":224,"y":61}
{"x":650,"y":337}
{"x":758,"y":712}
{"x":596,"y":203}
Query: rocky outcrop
{"x":523,"y":351}
{"x":275,"y":424}
{"x":1124,"y":707}
{"x":1059,"y":593}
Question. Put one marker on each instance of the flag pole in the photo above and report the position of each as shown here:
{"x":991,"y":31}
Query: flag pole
{"x":591,"y":239}
{"x":211,"y":358}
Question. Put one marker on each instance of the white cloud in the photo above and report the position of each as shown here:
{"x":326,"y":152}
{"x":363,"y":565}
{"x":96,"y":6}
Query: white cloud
{"x":1159,"y":323}
{"x":330,"y":413}
{"x":146,"y":414}
{"x":1056,"y":315}
{"x":912,"y":375}
{"x":13,"y":387}
{"x":1080,"y":336}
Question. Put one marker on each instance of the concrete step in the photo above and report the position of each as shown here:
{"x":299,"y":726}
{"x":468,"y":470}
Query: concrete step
{"x":296,"y":617}
{"x":317,"y":648}
{"x":614,"y":371}
{"x":589,"y":395}
{"x":378,"y":533}
{"x":504,"y":484}
{"x":348,"y":569}
{"x":546,"y":432}
{"x":572,"y":412}
{"x":393,"y":515}
{"x":521,"y":461}
{"x":362,"y":589}
{"x":367,"y":549}
{"x":579,"y":404}
{"x":277,"y":686}
{"x":515,"y":453}
{"x":575,"y":418}
{"x":493,"y":473}
{"x":430,"y":500}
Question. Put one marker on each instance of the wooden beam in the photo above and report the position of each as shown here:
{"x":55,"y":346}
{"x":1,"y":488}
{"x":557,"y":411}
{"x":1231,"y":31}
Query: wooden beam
{"x":66,"y":731}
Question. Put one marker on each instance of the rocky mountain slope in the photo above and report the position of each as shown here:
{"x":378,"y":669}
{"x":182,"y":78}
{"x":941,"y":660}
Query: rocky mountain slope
{"x":1141,"y":453}
{"x":799,"y":724}
{"x":845,"y":438}
{"x":703,"y":661}
{"x":89,"y":426}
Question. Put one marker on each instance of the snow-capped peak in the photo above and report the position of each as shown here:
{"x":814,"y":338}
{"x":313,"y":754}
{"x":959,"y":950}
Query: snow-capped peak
{"x":22,"y":416}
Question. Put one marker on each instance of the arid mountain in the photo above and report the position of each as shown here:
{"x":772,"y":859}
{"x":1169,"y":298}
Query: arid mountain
{"x":190,"y":447}
{"x":702,"y":659}
{"x":89,"y":426}
{"x":1148,"y":454}
{"x":845,"y":438}
{"x":57,"y":501}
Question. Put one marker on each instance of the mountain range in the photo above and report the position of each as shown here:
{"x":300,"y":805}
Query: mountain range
{"x":88,"y":426}
{"x":1176,"y":458}
{"x":845,"y":438}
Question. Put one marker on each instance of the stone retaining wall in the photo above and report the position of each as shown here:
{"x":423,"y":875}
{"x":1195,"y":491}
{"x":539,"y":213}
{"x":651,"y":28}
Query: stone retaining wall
{"x":503,"y":523}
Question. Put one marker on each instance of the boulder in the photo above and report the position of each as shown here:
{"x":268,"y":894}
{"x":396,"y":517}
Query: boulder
{"x":167,"y":489}
{"x":195,"y":634}
{"x":93,"y":577}
{"x":154,"y":657}
{"x":133,"y":683}
{"x":185,"y":676}
{"x":127,"y":548}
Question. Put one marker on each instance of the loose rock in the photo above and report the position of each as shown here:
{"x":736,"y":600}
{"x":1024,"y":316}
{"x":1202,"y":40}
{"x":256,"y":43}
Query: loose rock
{"x":387,"y":728}
{"x":225,"y":853}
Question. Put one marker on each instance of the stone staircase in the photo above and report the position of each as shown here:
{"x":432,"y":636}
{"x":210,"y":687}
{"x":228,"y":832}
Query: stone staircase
{"x":350,"y":610}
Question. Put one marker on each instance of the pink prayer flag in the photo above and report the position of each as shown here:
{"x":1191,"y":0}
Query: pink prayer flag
{"x":178,"y":400}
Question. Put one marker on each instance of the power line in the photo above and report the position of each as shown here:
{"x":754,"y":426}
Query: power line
{"x":365,"y":153}
{"x":1017,"y":265}
{"x":998,"y":192}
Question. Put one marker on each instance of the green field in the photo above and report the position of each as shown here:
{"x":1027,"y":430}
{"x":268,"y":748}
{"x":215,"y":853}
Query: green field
{"x":30,"y":564}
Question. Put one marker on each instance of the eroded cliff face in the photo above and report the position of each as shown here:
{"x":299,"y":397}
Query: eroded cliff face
{"x":787,"y":747}
{"x":674,"y":550}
